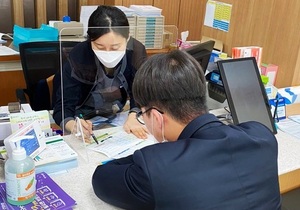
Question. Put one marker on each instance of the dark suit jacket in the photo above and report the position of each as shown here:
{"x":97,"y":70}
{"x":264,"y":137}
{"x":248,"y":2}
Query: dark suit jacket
{"x":211,"y":166}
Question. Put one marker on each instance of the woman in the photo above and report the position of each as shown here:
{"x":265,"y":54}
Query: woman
{"x":98,"y":76}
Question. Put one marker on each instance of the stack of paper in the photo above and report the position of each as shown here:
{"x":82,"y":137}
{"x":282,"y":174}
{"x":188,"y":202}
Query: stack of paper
{"x":7,"y":51}
{"x":146,"y":10}
{"x":128,"y":12}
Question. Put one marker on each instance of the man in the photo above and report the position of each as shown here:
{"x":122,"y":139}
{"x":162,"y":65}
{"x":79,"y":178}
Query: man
{"x":203,"y":164}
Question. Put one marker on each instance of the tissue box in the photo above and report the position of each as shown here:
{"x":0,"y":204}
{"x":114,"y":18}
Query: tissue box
{"x":44,"y":33}
{"x":290,"y":94}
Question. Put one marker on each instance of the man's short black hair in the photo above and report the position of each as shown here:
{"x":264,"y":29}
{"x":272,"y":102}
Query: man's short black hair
{"x":173,"y":82}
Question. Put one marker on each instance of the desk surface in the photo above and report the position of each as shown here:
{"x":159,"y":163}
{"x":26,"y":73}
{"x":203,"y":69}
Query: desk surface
{"x":10,"y":58}
{"x":77,"y":182}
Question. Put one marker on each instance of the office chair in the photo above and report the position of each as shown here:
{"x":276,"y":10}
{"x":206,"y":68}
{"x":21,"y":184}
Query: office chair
{"x":40,"y":61}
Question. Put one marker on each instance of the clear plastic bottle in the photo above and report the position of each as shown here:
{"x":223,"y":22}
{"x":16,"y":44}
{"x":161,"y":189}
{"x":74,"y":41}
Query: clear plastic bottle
{"x":20,"y":176}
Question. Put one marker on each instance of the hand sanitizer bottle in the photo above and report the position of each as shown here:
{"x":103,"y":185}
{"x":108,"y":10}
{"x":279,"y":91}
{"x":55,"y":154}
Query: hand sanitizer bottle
{"x":20,"y":176}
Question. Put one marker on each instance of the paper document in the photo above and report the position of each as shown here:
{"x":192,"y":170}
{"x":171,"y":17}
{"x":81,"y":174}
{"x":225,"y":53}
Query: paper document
{"x":18,"y":120}
{"x":290,"y":126}
{"x":57,"y":150}
{"x":218,"y":15}
{"x":119,"y":144}
{"x":295,"y":118}
{"x":7,"y":51}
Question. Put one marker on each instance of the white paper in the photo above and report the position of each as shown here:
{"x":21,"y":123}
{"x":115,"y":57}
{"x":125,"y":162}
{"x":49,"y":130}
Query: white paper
{"x":119,"y":144}
{"x":295,"y":118}
{"x":209,"y":14}
{"x":217,"y":15}
{"x":7,"y":51}
{"x":85,"y":14}
{"x":18,"y":120}
{"x":290,"y":126}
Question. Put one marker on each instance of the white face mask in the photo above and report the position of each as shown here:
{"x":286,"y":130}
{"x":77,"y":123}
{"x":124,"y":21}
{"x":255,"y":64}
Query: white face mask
{"x":109,"y":58}
{"x":162,"y":131}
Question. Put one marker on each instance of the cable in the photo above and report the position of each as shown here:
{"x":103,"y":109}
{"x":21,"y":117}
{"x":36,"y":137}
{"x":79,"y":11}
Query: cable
{"x":2,"y":34}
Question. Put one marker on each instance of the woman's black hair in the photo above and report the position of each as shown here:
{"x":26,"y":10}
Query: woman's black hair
{"x":106,"y":19}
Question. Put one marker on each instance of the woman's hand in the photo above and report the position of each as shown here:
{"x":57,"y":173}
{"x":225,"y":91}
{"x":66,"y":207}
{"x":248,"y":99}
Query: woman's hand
{"x":87,"y":128}
{"x":133,"y":126}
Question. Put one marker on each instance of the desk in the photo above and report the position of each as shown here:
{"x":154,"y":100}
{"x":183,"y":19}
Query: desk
{"x":77,"y":182}
{"x":9,"y":61}
{"x":288,"y":162}
{"x":10,"y":58}
{"x":11,"y":78}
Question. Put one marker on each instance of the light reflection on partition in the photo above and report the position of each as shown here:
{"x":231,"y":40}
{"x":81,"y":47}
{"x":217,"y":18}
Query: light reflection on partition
{"x":88,"y":65}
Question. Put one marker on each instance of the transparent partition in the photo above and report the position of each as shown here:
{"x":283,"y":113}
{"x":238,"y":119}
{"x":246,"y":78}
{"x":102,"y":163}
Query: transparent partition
{"x":96,"y":75}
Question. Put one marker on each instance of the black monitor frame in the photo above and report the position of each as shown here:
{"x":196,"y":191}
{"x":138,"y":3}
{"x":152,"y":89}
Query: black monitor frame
{"x":245,"y":92}
{"x":202,"y":52}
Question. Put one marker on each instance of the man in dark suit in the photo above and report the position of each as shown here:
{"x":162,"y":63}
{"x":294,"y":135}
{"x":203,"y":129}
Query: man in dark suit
{"x":200,"y":163}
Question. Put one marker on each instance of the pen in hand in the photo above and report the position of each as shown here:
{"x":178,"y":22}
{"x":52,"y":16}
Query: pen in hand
{"x":92,"y":134}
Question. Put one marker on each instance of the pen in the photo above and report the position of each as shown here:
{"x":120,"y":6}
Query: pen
{"x":102,"y":140}
{"x":275,"y":115}
{"x":92,"y":134}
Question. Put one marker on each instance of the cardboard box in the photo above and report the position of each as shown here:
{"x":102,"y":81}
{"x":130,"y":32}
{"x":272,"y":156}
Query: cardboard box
{"x":290,"y":94}
{"x":251,"y":51}
{"x":218,"y":43}
{"x":269,"y":70}
{"x":214,"y":55}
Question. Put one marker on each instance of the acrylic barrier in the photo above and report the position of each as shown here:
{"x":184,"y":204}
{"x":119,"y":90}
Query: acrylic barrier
{"x":97,"y":71}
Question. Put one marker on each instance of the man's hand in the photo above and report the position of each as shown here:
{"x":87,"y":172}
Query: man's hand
{"x":133,"y":126}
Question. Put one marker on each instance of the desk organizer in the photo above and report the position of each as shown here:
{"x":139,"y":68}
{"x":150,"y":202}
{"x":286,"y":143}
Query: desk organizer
{"x":44,"y":33}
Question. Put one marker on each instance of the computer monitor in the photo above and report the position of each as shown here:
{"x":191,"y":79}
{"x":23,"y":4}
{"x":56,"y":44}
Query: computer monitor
{"x":245,"y":92}
{"x":201,"y":52}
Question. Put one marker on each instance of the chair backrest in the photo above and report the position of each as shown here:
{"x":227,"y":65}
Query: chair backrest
{"x":41,"y":60}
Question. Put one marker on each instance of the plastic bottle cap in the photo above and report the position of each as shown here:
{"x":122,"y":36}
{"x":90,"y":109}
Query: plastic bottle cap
{"x":19,"y":153}
{"x":66,"y":18}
